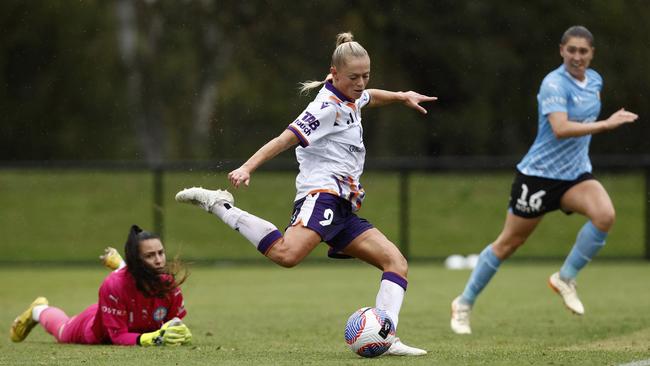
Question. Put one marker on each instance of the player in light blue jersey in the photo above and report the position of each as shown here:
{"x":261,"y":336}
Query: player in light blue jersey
{"x":331,"y":156}
{"x":555,"y":174}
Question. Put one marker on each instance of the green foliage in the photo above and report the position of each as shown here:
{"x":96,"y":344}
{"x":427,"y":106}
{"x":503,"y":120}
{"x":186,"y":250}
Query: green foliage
{"x":61,"y":94}
{"x":65,"y":216}
{"x":265,"y":315}
{"x":63,"y":81}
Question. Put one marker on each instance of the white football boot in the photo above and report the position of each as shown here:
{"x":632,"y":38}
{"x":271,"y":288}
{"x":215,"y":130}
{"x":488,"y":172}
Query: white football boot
{"x":568,"y":292}
{"x":400,"y":349}
{"x":460,"y":317}
{"x":205,"y":198}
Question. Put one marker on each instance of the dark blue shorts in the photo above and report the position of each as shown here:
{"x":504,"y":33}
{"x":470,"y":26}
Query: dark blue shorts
{"x":332,"y":218}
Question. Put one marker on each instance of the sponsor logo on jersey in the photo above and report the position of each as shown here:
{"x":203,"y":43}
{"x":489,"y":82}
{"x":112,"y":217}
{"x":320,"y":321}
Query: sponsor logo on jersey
{"x":113,"y":311}
{"x":307,"y":123}
{"x":577,"y":99}
{"x":554,"y":100}
{"x":356,"y":149}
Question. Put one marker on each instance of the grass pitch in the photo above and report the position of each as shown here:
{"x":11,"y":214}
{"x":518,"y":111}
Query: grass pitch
{"x":266,"y":315}
{"x":79,"y":212}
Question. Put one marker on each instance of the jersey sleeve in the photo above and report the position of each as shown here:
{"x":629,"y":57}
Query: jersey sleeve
{"x":315,"y":122}
{"x":114,"y":313}
{"x":552,"y":96}
{"x":598,"y":80}
{"x":178,"y":305}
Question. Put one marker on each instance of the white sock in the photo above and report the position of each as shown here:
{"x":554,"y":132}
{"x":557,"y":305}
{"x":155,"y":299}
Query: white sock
{"x":250,"y":226}
{"x":221,"y":210}
{"x":389,"y":299}
{"x":37,"y":310}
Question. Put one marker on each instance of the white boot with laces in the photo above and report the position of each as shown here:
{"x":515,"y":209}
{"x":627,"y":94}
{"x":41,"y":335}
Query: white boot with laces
{"x":205,"y":198}
{"x":567,"y":289}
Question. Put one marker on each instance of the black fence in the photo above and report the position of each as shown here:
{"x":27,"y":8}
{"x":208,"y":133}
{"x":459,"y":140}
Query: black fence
{"x":403,"y":166}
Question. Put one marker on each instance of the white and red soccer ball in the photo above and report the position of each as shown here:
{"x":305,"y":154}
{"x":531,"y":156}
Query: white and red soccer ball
{"x":369,"y":332}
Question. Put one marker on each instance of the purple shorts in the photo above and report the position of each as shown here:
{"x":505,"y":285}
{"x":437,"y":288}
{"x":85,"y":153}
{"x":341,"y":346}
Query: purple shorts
{"x":332,"y":218}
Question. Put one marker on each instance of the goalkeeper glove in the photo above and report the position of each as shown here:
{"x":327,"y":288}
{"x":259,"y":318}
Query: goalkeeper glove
{"x":172,"y":333}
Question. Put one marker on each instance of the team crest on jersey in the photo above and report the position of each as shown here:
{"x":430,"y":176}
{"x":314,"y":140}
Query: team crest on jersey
{"x":577,"y":99}
{"x":160,"y":313}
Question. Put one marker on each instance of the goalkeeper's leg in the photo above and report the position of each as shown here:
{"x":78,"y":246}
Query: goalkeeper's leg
{"x":76,"y":329}
{"x":25,"y":322}
{"x":52,"y":319}
{"x":112,"y":259}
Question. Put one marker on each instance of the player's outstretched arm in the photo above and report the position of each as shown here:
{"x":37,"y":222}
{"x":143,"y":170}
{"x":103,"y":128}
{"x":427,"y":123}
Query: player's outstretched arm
{"x":264,"y":154}
{"x":619,"y":118}
{"x":410,"y":99}
{"x":564,"y":128}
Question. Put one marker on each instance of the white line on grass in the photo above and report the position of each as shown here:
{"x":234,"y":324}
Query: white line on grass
{"x":637,"y":363}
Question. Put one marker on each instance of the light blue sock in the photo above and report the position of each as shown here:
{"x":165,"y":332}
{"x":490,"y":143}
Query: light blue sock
{"x":486,"y":267}
{"x":589,"y":241}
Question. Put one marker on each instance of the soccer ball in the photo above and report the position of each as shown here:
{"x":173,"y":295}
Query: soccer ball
{"x":369,"y":332}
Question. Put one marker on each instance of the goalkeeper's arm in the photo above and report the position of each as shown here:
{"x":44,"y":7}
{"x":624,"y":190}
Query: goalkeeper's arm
{"x":172,"y":333}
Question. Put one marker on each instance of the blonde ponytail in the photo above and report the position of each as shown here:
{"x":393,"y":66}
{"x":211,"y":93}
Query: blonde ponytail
{"x":307,"y":86}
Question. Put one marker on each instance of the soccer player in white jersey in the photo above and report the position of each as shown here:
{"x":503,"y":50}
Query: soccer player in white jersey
{"x":555,"y":174}
{"x":331,"y":157}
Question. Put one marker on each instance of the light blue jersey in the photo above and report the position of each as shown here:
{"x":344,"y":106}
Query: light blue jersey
{"x":568,"y":158}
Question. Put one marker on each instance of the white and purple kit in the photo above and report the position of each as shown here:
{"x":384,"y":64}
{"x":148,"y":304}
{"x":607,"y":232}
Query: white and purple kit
{"x":331,"y":158}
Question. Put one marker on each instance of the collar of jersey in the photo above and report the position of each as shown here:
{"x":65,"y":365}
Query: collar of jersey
{"x":332,"y":88}
{"x":581,"y":84}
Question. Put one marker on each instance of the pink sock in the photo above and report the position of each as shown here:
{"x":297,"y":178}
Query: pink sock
{"x":52,"y":319}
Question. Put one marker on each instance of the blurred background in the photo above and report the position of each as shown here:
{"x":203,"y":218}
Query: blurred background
{"x":107,"y":108}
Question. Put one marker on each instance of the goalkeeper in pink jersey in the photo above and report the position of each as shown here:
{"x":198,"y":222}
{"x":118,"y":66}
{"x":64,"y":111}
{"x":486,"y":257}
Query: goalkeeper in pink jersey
{"x":139,"y":303}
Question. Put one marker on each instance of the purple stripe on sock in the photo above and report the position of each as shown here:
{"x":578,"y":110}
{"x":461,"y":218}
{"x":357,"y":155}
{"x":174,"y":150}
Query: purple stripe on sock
{"x":267,"y":242}
{"x":395,"y":278}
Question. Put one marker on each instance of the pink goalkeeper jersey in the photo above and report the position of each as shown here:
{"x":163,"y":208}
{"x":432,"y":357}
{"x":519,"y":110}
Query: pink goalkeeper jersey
{"x":123,"y":312}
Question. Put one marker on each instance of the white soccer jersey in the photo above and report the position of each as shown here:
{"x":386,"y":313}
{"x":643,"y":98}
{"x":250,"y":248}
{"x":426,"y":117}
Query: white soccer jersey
{"x":331,"y":153}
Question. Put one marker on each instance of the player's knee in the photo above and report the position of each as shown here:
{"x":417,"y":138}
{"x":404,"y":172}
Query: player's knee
{"x":399,"y":265}
{"x":287,"y":258}
{"x":288,"y":261}
{"x":604,"y":220}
